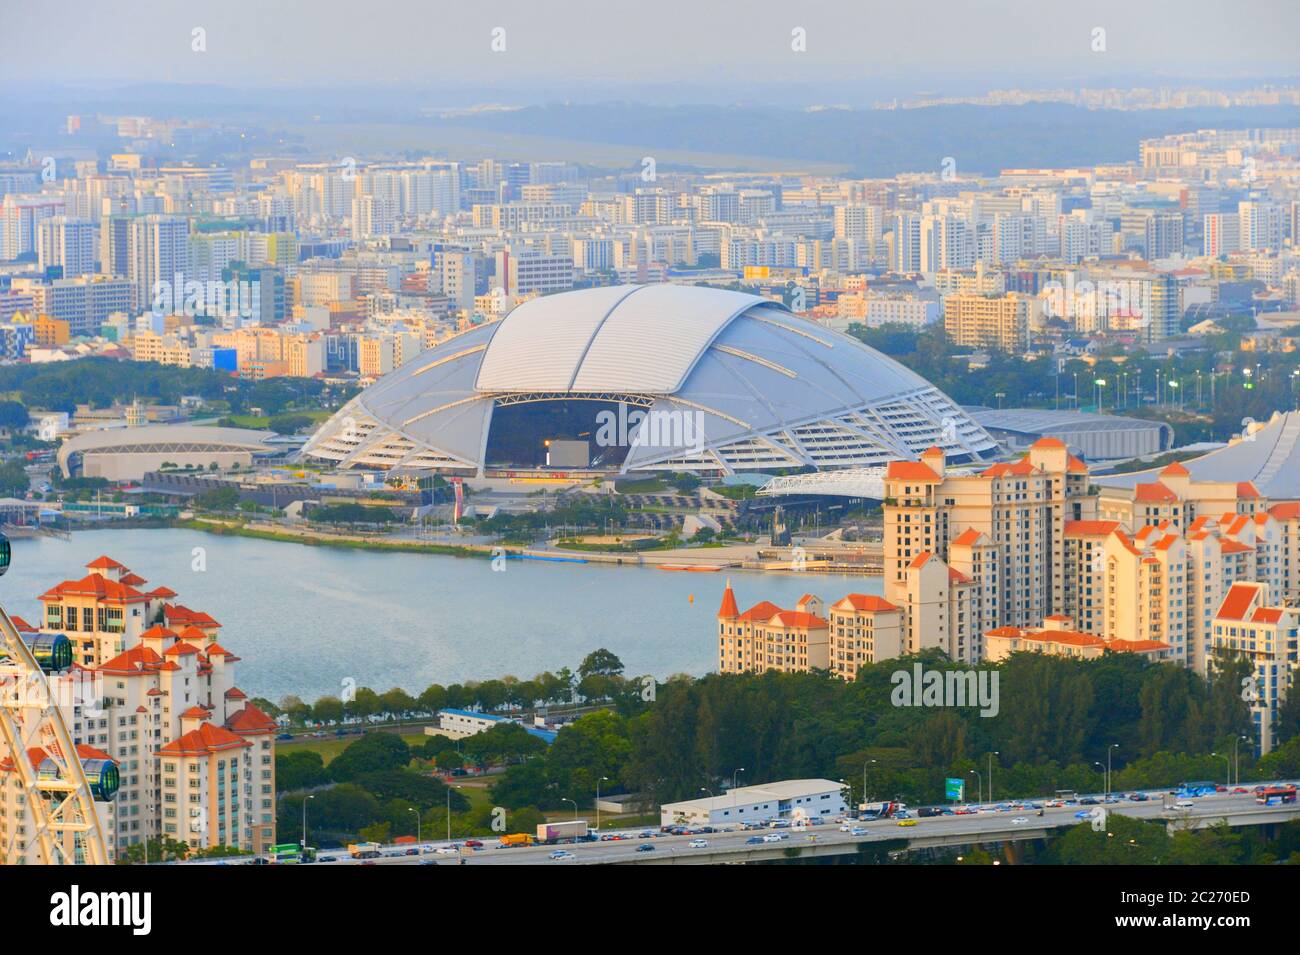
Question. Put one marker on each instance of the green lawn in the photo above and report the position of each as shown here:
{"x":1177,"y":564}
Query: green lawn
{"x":332,"y":745}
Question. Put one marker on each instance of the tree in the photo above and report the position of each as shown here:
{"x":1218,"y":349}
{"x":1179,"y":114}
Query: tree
{"x":424,"y":792}
{"x":218,"y":499}
{"x":328,"y":709}
{"x":14,"y":481}
{"x":602,"y":662}
{"x":289,"y":423}
{"x":372,"y":753}
{"x":13,"y":415}
{"x":299,"y":769}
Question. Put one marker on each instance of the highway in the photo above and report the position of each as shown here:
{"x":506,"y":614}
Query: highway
{"x":988,"y":825}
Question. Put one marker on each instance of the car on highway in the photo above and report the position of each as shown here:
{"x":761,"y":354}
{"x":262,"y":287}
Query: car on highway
{"x":473,"y":844}
{"x":1184,"y":804}
{"x":447,"y":850}
{"x":1019,"y":821}
{"x":1138,"y":797}
{"x":755,"y":840}
{"x":428,"y":862}
{"x":1054,"y":804}
{"x":858,"y":831}
{"x":560,"y":855}
{"x":698,"y":844}
{"x":771,"y":837}
{"x":1240,"y":789}
{"x":907,"y":822}
{"x":645,"y":847}
{"x":413,"y":851}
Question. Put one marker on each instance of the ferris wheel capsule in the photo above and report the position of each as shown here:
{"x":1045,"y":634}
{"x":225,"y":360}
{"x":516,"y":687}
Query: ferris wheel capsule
{"x":6,"y":554}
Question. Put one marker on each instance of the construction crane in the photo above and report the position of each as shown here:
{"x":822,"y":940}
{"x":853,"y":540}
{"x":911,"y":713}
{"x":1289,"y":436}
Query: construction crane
{"x":60,"y":782}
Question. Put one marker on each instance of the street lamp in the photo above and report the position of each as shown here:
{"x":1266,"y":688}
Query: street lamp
{"x":1224,"y":757}
{"x":1109,"y":749}
{"x":1098,"y":384}
{"x":598,"y":782}
{"x":304,"y":823}
{"x":575,"y":805}
{"x":734,"y":774}
{"x":419,"y":824}
{"x":979,"y":785}
{"x":991,"y":755}
{"x":1236,"y":755}
{"x":864,"y":778}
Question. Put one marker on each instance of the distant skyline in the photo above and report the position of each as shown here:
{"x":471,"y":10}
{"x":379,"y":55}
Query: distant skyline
{"x":666,"y":51}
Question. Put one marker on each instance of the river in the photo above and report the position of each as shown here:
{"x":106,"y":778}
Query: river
{"x":306,"y":619}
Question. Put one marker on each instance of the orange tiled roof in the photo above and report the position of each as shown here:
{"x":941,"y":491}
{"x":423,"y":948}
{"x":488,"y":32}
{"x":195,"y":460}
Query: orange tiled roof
{"x":764,"y":610}
{"x":910,"y":471}
{"x":1247,"y":489}
{"x":139,"y":659}
{"x":202,"y":741}
{"x":867,"y":603}
{"x":1090,"y":528}
{"x":1175,"y":470}
{"x":105,"y":563}
{"x":1153,"y":492}
{"x":250,"y":721}
{"x":184,"y":615}
{"x":728,"y":608}
{"x":1048,"y":442}
{"x":1286,"y":511}
{"x":97,"y":586}
{"x":966,"y":538}
{"x":1237,"y":601}
{"x":798,"y":619}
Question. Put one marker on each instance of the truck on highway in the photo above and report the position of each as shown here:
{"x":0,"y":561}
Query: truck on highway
{"x":574,"y":830}
{"x":515,"y":839}
{"x":878,"y":810}
{"x":364,"y":850}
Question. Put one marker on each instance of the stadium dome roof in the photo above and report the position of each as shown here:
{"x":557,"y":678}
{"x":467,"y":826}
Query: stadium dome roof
{"x":1265,"y":454}
{"x":764,"y":388}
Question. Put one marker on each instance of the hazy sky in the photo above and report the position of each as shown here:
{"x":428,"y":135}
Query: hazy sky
{"x":587,"y":48}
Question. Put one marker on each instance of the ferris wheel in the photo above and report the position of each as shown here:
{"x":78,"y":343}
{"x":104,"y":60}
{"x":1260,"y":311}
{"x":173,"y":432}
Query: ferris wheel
{"x":61,"y":789}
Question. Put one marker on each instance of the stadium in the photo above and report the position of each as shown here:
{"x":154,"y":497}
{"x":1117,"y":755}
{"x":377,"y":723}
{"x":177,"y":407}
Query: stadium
{"x":633,"y":378}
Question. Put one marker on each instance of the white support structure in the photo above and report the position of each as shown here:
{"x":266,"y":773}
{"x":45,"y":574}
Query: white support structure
{"x":62,"y":809}
{"x":846,"y":482}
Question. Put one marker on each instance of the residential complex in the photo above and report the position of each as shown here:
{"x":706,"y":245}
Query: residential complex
{"x":1031,"y":556}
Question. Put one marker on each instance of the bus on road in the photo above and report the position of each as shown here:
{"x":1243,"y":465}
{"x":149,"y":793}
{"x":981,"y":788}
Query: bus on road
{"x":1275,"y":795}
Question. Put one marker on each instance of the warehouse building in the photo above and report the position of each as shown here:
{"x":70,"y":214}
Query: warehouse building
{"x":791,"y":799}
{"x":1094,"y":437}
